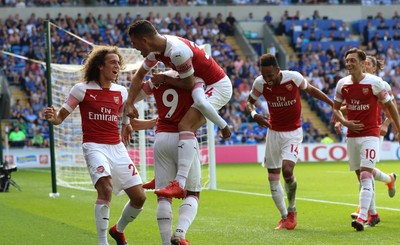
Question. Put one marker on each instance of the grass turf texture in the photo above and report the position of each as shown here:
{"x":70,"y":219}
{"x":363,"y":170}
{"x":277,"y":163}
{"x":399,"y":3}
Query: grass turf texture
{"x":240,"y":212}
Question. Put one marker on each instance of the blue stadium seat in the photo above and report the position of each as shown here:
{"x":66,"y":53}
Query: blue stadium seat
{"x":325,"y":45}
{"x":322,"y":24}
{"x":306,"y":34}
{"x":362,"y":23}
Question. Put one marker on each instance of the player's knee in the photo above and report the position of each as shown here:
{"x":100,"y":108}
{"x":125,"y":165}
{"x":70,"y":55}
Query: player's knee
{"x":196,"y":194}
{"x":365,"y":175}
{"x":104,"y":188}
{"x":138,"y":201}
{"x":287,"y":174}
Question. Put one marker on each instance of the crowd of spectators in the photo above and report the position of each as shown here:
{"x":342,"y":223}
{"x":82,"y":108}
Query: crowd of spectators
{"x":322,"y":68}
{"x":59,"y":3}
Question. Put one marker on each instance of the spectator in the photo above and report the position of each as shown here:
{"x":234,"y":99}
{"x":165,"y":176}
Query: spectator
{"x":315,"y":15}
{"x":327,"y":139}
{"x":17,"y":138}
{"x":396,"y":15}
{"x":268,"y":19}
{"x":37,"y":140}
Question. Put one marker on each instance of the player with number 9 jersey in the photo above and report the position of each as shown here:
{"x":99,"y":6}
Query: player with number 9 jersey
{"x":189,"y":61}
{"x":172,"y":104}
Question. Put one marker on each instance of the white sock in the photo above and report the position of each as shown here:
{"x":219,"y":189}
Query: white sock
{"x":187,"y":147}
{"x":203,"y":105}
{"x":291,"y":194}
{"x":277,"y":194}
{"x":102,"y":216}
{"x":365,"y":193}
{"x":164,"y":220}
{"x":381,"y":176}
{"x":187,"y":213}
{"x":128,"y":215}
{"x":372,"y":206}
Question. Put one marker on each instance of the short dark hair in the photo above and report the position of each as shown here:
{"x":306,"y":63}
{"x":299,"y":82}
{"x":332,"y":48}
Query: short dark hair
{"x":142,"y":28}
{"x":268,"y":60}
{"x":360,"y":53}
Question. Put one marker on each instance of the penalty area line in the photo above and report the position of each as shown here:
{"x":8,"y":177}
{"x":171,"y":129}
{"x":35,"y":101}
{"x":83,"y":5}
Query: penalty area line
{"x":305,"y":199}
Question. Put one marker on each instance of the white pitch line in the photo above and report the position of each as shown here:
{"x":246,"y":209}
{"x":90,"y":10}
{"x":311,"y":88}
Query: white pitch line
{"x":305,"y":199}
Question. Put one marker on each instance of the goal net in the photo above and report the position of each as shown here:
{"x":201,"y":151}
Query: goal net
{"x":71,"y":168}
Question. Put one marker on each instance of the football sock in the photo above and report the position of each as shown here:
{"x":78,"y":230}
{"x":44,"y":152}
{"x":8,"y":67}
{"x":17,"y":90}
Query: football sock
{"x":187,"y":148}
{"x":128,"y":215}
{"x":277,"y":194}
{"x":164,"y":220}
{"x":365,"y":193}
{"x":187,"y":213}
{"x":291,"y":194}
{"x":372,"y":206}
{"x":203,"y":105}
{"x":102,"y":216}
{"x":380,"y":176}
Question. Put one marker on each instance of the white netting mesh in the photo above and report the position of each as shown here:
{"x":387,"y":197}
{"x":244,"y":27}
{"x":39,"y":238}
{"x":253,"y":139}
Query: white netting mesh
{"x":70,"y":164}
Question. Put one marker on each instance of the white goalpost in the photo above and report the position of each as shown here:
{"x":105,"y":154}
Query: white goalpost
{"x":70,"y":165}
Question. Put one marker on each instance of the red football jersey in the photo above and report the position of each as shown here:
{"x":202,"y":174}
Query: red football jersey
{"x":172,"y":105}
{"x":99,"y":109}
{"x":186,"y":58}
{"x":362,"y":102}
{"x":283,"y":100}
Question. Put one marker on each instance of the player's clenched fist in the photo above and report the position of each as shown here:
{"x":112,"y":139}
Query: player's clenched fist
{"x":50,"y":114}
{"x":131,"y":111}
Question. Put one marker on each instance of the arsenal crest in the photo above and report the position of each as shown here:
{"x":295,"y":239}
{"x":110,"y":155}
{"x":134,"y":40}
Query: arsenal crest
{"x":289,"y":87}
{"x":116,"y":99}
{"x":365,"y":91}
{"x":100,"y":169}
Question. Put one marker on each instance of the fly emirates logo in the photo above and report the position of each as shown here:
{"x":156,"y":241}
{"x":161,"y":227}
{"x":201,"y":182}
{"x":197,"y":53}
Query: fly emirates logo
{"x":105,"y":115}
{"x":355,"y":105}
{"x":281,"y":102}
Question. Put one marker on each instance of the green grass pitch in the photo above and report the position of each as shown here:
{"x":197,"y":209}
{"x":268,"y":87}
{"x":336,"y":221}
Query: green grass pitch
{"x":241,"y":211}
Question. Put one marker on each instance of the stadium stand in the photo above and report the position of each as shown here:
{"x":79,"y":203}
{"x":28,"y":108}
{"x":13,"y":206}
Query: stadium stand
{"x":321,"y":62}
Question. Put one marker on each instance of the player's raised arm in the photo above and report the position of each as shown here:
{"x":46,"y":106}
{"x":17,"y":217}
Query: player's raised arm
{"x":54,"y":116}
{"x":134,"y":90}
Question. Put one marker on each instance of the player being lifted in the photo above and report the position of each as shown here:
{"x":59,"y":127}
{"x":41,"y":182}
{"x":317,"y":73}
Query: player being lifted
{"x":101,"y":103}
{"x":362,"y":93}
{"x":189,"y":61}
{"x":281,"y":89}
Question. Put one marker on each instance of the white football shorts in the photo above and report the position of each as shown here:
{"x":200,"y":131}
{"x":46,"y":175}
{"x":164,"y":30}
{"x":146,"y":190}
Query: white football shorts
{"x":219,"y":93}
{"x":363,"y":152}
{"x":282,"y":146}
{"x":166,"y":162}
{"x":111,"y":160}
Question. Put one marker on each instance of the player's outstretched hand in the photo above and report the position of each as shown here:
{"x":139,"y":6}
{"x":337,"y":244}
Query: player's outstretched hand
{"x":226,"y":132}
{"x":131,"y":111}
